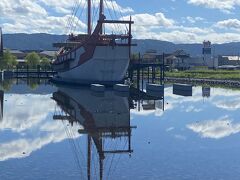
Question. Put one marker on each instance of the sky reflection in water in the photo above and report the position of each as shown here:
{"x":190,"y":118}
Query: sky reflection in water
{"x":194,"y":138}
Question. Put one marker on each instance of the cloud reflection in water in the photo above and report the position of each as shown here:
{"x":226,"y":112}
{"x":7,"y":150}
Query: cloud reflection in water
{"x":34,"y":127}
{"x":215,"y":129}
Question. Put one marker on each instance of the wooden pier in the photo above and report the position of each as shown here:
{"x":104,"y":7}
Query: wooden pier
{"x":141,"y":72}
{"x":39,"y":72}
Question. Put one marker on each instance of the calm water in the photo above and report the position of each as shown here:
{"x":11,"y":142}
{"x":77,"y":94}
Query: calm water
{"x":49,"y":132}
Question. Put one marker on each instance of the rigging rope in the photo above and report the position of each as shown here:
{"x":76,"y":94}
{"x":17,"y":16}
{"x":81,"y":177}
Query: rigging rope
{"x":113,"y":156}
{"x":114,"y":169}
{"x":115,"y":13}
{"x":121,"y":15}
{"x":110,"y":14}
{"x":76,"y":159}
{"x":70,"y":17}
{"x":74,"y":15}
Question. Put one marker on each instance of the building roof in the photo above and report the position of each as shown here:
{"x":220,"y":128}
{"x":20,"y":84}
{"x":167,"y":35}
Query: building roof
{"x":21,"y":60}
{"x":49,"y":53}
{"x":151,"y":51}
{"x":171,"y":57}
{"x":14,"y":51}
{"x":180,"y":53}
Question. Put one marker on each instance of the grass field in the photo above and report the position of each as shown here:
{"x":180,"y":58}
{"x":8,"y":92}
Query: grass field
{"x":206,"y":74}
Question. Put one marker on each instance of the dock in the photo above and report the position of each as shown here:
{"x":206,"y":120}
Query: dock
{"x":26,"y":72}
{"x":142,"y":72}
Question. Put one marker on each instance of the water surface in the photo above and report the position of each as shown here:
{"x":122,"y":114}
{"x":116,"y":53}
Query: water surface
{"x":50,"y":132}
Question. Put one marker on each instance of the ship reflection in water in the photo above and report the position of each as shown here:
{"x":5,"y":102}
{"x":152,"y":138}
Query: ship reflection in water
{"x":104,"y":119}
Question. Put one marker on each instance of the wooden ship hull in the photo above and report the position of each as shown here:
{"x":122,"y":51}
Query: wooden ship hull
{"x":107,"y":65}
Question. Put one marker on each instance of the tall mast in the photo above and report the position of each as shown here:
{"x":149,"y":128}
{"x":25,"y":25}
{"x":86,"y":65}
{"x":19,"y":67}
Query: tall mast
{"x":89,"y":158}
{"x":101,"y":8}
{"x":101,"y":13}
{"x":1,"y":42}
{"x":89,"y":17}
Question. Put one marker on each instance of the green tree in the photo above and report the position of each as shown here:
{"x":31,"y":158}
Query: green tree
{"x":2,"y":63}
{"x":33,"y":59}
{"x":8,"y":60}
{"x":45,"y":62}
{"x":134,"y":56}
{"x":14,"y":61}
{"x":33,"y":83}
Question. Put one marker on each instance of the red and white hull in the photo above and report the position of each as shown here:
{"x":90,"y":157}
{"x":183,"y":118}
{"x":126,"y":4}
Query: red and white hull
{"x":107,"y":64}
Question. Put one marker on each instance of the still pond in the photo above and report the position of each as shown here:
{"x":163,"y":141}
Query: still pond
{"x":61,"y":132}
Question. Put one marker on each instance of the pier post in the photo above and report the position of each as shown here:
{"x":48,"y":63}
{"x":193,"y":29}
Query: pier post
{"x":27,"y":71}
{"x":45,"y":69}
{"x":17,"y":74}
{"x":138,"y":71}
{"x":17,"y":70}
{"x":152,"y":75}
{"x":38,"y":71}
{"x":138,"y":76}
{"x":148,"y":74}
{"x":142,"y":77}
{"x":163,"y":68}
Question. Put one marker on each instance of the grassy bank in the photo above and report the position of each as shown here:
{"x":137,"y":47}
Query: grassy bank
{"x":206,"y":74}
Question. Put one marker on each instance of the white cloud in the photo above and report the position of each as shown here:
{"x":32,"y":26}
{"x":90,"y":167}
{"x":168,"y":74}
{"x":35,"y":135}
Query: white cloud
{"x":39,"y":17}
{"x":34,"y":128}
{"x":193,"y":19}
{"x":181,"y":137}
{"x":151,"y":20}
{"x":231,"y":105}
{"x":223,"y":5}
{"x":23,"y":147}
{"x":35,"y":17}
{"x":65,"y":6}
{"x":191,"y":108}
{"x":16,"y":8}
{"x":215,"y":129}
{"x":229,"y":24}
{"x":158,"y":26}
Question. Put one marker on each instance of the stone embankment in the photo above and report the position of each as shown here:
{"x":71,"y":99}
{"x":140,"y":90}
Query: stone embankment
{"x":230,"y":83}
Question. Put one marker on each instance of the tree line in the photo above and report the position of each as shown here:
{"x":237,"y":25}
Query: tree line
{"x":9,"y":61}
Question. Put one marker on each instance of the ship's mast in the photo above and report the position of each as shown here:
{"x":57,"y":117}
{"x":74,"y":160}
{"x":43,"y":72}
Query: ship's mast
{"x":89,"y":158}
{"x":101,"y":9}
{"x":89,"y":17}
{"x":1,"y":42}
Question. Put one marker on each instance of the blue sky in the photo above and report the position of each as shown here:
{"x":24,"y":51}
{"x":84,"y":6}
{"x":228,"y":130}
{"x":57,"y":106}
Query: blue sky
{"x":179,"y":21}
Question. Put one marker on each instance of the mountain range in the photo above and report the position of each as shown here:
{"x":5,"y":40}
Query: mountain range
{"x":43,"y":41}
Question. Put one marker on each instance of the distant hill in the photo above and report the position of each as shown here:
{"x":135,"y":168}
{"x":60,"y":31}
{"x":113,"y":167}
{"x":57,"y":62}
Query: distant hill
{"x":193,"y":49}
{"x":45,"y":41}
{"x":31,"y":41}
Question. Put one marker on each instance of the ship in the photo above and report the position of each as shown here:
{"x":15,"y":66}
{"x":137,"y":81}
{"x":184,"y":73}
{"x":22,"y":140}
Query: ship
{"x":97,"y":56}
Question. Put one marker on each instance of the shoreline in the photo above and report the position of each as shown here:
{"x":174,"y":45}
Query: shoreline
{"x":224,"y":82}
